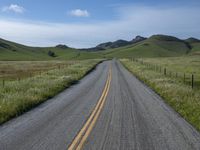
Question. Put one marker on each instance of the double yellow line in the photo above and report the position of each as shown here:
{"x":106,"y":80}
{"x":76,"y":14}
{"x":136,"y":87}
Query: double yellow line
{"x":83,"y":134}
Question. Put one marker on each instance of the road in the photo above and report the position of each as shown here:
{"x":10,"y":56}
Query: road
{"x":108,"y":109}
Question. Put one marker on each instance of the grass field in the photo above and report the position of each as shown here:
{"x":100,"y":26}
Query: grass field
{"x":179,"y":67}
{"x":184,"y":99}
{"x":46,"y":80}
{"x":12,"y":70}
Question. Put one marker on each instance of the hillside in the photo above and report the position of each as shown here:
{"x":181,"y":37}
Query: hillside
{"x":14,"y":51}
{"x":192,"y":40}
{"x":195,"y":45}
{"x":156,"y":46}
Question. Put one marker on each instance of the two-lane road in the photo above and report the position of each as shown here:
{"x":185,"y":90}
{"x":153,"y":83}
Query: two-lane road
{"x":108,"y":109}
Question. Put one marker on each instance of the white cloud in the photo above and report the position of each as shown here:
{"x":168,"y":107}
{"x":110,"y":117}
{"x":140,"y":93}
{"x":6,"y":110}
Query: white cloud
{"x":13,"y":8}
{"x":79,"y":13}
{"x":178,"y":21}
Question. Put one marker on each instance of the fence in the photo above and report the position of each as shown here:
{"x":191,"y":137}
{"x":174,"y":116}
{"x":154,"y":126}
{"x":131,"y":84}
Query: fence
{"x":30,"y":74}
{"x":188,"y":79}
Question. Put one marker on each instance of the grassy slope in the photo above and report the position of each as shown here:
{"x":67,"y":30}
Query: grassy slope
{"x":195,"y":49}
{"x":13,"y":51}
{"x":140,"y":50}
{"x":155,"y":46}
{"x":177,"y":94}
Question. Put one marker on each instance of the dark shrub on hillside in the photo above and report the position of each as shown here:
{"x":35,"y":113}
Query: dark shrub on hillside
{"x":52,"y":54}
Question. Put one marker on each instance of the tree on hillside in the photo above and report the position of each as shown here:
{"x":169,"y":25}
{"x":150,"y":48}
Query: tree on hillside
{"x":52,"y":54}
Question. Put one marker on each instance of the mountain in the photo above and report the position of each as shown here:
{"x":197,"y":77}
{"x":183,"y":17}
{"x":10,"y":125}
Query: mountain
{"x":108,"y":45}
{"x":157,"y":46}
{"x":138,"y":39}
{"x":115,"y":44}
{"x":62,"y":46}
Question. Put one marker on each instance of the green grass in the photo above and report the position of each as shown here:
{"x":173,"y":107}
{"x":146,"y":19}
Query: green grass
{"x":18,"y":96}
{"x":155,"y":46}
{"x":195,"y":49}
{"x":14,"y":51}
{"x":180,"y":96}
{"x":179,"y":66}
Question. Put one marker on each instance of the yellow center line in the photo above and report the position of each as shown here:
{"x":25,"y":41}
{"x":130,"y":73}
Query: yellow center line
{"x":83,"y":134}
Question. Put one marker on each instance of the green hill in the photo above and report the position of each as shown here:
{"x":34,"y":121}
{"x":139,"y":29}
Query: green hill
{"x":195,"y":46}
{"x":192,"y":40}
{"x":14,"y":51}
{"x":155,"y":46}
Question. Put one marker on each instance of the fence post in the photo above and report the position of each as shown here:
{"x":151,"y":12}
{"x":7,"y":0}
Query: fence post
{"x":3,"y":83}
{"x":184,"y":78}
{"x":165,"y":71}
{"x":192,"y":81}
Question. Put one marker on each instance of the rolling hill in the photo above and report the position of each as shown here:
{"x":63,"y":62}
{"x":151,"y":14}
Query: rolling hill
{"x":195,"y":46}
{"x":157,"y":46}
{"x":154,"y":46}
{"x":14,"y":51}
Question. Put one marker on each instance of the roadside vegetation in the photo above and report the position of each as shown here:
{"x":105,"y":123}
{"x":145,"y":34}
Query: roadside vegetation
{"x":180,"y":96}
{"x":27,"y":84}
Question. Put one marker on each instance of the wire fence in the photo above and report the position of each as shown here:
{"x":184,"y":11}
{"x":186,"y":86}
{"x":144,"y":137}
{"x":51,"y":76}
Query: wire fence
{"x":4,"y":80}
{"x":192,"y":80}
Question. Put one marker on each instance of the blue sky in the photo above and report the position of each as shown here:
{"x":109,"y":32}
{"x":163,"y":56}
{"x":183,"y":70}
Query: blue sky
{"x":85,"y":23}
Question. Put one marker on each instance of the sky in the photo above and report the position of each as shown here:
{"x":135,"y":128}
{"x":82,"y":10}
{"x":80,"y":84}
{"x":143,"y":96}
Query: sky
{"x":86,"y":23}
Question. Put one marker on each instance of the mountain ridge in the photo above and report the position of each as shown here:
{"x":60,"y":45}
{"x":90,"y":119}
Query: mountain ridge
{"x":115,"y":44}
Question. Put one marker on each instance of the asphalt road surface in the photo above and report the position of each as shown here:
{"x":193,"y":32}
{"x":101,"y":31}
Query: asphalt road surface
{"x":127,"y":116}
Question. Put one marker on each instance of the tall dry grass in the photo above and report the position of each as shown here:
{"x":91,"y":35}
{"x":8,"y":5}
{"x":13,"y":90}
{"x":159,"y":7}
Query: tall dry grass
{"x":17,"y":96}
{"x":184,"y":99}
